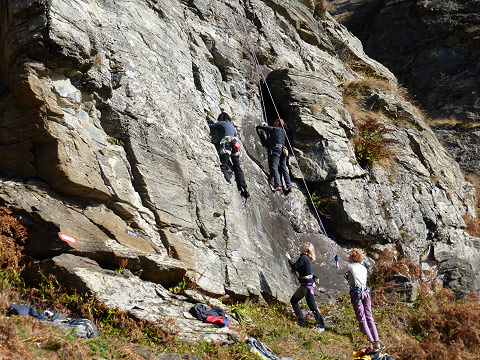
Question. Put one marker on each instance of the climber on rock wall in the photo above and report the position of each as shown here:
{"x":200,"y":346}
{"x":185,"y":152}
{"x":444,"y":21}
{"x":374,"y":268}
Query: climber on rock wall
{"x":278,"y":154}
{"x":229,"y":149}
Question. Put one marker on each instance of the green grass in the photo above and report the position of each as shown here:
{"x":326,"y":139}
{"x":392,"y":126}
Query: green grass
{"x":115,"y":141}
{"x":434,"y":324}
{"x":275,"y":325}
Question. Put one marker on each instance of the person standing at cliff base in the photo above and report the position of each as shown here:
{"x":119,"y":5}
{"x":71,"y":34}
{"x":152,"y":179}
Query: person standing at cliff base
{"x":229,"y":149}
{"x":279,"y":154}
{"x":307,"y":285}
{"x":360,"y":294}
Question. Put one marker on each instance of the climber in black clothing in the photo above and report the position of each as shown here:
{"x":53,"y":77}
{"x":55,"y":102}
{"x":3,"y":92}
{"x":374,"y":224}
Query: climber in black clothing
{"x":307,"y":285}
{"x":229,"y":148}
{"x":278,"y":154}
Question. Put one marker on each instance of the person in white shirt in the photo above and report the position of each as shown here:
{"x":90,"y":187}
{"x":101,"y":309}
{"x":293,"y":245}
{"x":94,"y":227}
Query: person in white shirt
{"x":360,"y":294}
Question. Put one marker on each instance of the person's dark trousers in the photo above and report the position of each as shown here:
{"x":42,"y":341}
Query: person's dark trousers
{"x":276,"y":152}
{"x":284,"y":171}
{"x":239,"y":177}
{"x":279,"y":160}
{"x":237,"y":170}
{"x":224,"y":158}
{"x":308,"y":294}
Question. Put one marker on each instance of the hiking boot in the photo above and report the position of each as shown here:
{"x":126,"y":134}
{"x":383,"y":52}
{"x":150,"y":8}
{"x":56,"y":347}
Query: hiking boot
{"x":288,"y":191}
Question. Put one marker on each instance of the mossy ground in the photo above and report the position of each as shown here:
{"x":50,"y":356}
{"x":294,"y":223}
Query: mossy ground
{"x":433,"y":322}
{"x":436,"y":326}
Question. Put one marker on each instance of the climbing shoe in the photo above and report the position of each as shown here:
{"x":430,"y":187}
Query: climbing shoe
{"x":320,"y":328}
{"x":370,"y":351}
{"x":245,"y":192}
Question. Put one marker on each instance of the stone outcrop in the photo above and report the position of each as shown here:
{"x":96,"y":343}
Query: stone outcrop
{"x":433,"y":48}
{"x":142,"y":300}
{"x":104,"y":135}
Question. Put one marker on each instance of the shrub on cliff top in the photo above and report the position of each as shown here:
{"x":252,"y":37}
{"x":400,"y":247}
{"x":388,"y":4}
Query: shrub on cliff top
{"x":371,"y":141}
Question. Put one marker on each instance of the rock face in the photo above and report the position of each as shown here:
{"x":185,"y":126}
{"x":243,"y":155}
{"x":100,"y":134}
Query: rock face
{"x":104,"y":137}
{"x":433,"y":47}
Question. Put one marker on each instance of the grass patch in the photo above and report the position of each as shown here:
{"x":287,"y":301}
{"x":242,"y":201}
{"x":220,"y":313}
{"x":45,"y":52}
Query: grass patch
{"x":451,"y":122}
{"x":115,"y":141}
{"x":372,"y":141}
{"x":276,"y":326}
{"x":434,"y":327}
{"x":320,"y":9}
{"x":358,"y":86}
{"x":472,"y":224}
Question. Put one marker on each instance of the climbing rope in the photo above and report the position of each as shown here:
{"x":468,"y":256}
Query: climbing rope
{"x":261,"y":101}
{"x":260,"y":74}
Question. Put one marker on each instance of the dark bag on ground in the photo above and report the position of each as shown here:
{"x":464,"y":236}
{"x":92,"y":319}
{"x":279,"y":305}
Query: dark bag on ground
{"x":201,"y":312}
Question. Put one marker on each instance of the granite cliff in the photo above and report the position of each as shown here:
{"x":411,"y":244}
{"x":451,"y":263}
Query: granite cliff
{"x":103,"y":136}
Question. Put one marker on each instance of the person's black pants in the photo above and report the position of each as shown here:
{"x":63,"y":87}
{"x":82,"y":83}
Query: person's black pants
{"x":302,"y":292}
{"x":237,"y":170}
{"x":279,"y":161}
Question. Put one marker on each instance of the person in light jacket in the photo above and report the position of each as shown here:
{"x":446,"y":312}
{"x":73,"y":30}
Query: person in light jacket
{"x":360,"y":294}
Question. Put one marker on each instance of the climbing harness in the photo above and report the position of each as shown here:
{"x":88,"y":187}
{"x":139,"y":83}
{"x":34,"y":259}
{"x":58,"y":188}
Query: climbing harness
{"x":283,"y":148}
{"x":229,"y":144}
{"x":361,"y":294}
{"x":358,"y":289}
{"x":308,"y":281}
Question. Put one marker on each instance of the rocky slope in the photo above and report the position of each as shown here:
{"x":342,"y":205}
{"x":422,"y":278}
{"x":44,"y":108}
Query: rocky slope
{"x":433,"y":48}
{"x":104,"y":137}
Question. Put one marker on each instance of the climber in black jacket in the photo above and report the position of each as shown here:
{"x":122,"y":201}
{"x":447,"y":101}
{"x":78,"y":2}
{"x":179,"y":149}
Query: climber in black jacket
{"x":278,"y":154}
{"x":229,"y":148}
{"x":307,"y":285}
